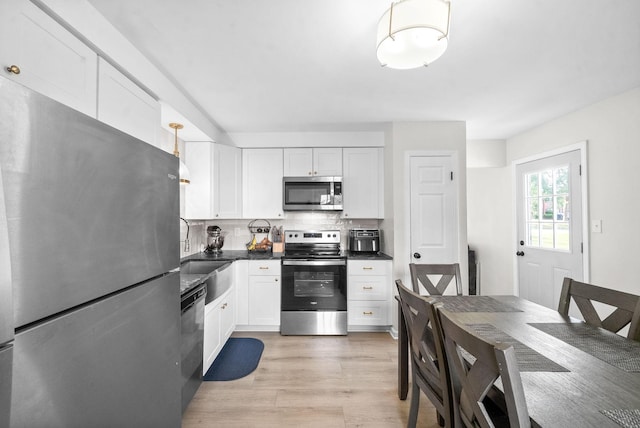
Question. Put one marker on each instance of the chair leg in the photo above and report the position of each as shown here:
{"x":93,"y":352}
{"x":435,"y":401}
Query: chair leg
{"x":415,"y":403}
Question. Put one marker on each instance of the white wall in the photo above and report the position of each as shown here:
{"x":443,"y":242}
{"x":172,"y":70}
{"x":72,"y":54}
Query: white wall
{"x":489,"y":220}
{"x":612,"y":129}
{"x":489,"y":214}
{"x":423,"y":136}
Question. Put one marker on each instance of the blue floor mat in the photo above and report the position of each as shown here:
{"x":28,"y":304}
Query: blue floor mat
{"x":238,"y":358}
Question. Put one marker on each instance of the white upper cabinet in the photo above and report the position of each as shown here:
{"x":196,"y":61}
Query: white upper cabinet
{"x":216,"y":176}
{"x":51,"y":60}
{"x":262,"y":172}
{"x":363,"y":182}
{"x":125,"y":106}
{"x":300,"y":162}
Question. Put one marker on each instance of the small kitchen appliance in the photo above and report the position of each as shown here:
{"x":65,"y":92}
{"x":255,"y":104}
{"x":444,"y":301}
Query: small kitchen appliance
{"x":312,"y":193}
{"x":366,"y":241}
{"x":215,"y":240}
{"x":314,"y":284}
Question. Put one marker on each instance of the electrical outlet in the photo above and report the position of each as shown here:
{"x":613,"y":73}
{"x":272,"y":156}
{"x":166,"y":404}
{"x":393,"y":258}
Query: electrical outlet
{"x":596,"y":226}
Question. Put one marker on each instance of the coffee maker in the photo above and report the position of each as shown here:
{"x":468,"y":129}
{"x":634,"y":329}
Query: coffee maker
{"x":366,"y":241}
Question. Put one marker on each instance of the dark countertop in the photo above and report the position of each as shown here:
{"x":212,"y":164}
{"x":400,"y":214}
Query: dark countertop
{"x":233,"y":255}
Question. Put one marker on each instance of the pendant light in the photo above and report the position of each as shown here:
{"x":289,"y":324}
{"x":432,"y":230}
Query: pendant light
{"x":183,"y":171}
{"x":413,"y":33}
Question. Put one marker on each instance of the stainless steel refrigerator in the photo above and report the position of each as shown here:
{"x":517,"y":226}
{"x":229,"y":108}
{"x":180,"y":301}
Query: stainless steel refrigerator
{"x":89,"y":288}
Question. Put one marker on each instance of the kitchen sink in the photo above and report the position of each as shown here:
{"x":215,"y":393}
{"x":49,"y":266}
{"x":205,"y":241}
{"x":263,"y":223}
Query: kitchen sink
{"x":201,"y":267}
{"x":217,"y":275}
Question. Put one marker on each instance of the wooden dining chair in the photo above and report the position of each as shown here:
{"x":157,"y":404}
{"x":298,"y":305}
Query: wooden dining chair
{"x":421,"y":275}
{"x":475,"y":364}
{"x":627,"y":306}
{"x":429,"y":368}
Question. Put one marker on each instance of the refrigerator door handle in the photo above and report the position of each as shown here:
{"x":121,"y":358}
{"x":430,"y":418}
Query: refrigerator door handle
{"x":6,"y":294}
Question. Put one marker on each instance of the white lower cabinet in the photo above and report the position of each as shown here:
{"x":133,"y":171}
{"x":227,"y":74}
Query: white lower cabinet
{"x":369,"y":293}
{"x":219,"y":323}
{"x":264,"y":293}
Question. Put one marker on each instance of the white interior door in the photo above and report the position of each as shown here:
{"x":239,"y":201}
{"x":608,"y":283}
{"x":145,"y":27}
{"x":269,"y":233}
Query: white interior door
{"x":549,"y":221}
{"x":433,"y":199}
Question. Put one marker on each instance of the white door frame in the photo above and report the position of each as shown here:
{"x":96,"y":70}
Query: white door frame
{"x":582,"y":148}
{"x":407,"y":199}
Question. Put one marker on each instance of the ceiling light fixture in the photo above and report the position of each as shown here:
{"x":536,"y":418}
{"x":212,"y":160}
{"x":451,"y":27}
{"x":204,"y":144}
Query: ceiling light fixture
{"x":413,"y":33}
{"x":183,"y":171}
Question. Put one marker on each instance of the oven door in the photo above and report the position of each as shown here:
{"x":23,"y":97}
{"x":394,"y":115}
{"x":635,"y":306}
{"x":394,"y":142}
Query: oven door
{"x":314,"y":285}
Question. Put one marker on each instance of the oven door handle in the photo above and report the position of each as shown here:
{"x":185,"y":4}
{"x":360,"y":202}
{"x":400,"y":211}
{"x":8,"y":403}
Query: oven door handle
{"x":314,"y":262}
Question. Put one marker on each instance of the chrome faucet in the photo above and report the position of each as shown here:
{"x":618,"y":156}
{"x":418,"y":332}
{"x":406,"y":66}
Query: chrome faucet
{"x":186,"y":240}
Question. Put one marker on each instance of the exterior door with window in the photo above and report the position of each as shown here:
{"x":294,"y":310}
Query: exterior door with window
{"x":549,"y":217}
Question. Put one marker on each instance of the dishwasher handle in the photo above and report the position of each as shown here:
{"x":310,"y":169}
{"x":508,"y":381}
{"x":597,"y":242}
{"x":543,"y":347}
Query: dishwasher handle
{"x":192,"y":299}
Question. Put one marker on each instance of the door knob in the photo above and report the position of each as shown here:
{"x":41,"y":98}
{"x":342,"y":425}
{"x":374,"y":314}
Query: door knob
{"x":13,"y":69}
{"x":520,"y":253}
{"x":417,"y":255}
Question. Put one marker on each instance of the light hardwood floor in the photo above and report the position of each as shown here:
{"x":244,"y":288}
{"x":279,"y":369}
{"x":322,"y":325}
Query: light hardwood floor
{"x":312,"y":381}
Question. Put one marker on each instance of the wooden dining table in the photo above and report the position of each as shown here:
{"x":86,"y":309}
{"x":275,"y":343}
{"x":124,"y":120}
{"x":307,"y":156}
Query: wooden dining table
{"x":573,"y":374}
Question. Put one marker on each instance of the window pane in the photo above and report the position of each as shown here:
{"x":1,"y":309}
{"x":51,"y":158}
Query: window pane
{"x":561,"y":176}
{"x":533,"y":235}
{"x":562,"y":204}
{"x":546,"y":235}
{"x":532,"y":183}
{"x":547,"y":208}
{"x":546,"y":182}
{"x":562,"y":236}
{"x":533,"y":209}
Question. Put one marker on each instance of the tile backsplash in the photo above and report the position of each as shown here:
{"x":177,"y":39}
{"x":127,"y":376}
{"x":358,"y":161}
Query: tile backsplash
{"x":237,"y":235}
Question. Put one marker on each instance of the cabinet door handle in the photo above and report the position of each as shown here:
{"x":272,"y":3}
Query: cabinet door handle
{"x":367,"y":313}
{"x":264,"y":268}
{"x":367,"y":268}
{"x":13,"y":69}
{"x":367,"y":287}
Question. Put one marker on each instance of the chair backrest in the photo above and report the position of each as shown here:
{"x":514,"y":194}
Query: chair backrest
{"x":427,"y":349}
{"x":472,"y":379}
{"x":420,"y":275}
{"x":627,"y":306}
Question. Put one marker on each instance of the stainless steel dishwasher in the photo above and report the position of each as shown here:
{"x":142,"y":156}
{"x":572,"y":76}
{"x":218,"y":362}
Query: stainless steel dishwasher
{"x":192,"y":320}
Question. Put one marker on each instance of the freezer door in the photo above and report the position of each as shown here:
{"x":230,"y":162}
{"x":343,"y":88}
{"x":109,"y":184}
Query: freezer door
{"x":115,"y":363}
{"x":6,"y":361}
{"x":6,"y":301}
{"x":90,"y":209}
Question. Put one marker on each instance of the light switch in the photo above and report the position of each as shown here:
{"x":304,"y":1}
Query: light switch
{"x":596,"y":226}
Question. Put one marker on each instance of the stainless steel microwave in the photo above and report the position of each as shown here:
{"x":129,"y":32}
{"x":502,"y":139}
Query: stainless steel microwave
{"x":312,"y":193}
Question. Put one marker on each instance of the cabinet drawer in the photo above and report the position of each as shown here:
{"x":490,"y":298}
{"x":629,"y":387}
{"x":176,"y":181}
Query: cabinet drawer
{"x":368,"y":267}
{"x":368,"y":313}
{"x":264,"y":267}
{"x":368,"y":287}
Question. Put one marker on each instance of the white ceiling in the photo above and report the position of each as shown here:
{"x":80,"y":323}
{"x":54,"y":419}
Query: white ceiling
{"x":310,"y":65}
